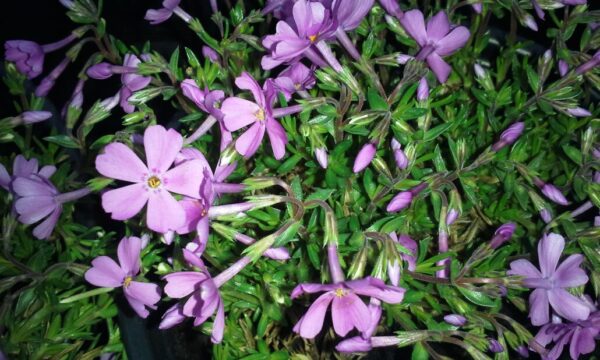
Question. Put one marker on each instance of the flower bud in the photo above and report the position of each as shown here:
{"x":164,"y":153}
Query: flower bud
{"x":551,"y":192}
{"x":423,"y":90}
{"x":173,"y":316}
{"x":502,"y":235}
{"x":110,"y":103}
{"x":589,"y":65}
{"x":364,"y":157}
{"x":479,"y":71}
{"x":495,"y":346}
{"x":455,"y":319}
{"x":451,"y":216}
{"x":563,"y":67}
{"x":546,"y":215}
{"x":100,"y":71}
{"x":522,"y":350}
{"x":477,"y":7}
{"x":321,"y":155}
{"x":403,"y":58}
{"x":578,"y":112}
{"x":404,"y":199}
{"x":509,"y":136}
{"x":529,"y":22}
{"x":391,"y":7}
{"x":210,"y":54}
{"x":31,"y":117}
{"x":399,"y":155}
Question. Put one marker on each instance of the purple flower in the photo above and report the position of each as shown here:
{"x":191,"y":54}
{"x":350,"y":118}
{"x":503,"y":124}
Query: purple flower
{"x":350,"y":13}
{"x":211,"y":54}
{"x":348,"y":311}
{"x":202,"y":293}
{"x":48,"y":82}
{"x":581,"y":335}
{"x":404,"y":199}
{"x":100,"y":71}
{"x":32,"y":117}
{"x":105,"y":272}
{"x":399,"y":155}
{"x":589,"y":65}
{"x":509,"y":136}
{"x":563,"y":67}
{"x":550,"y":282}
{"x":152,"y":184}
{"x":37,"y":200}
{"x":364,"y":157}
{"x":23,"y":168}
{"x":495,"y":347}
{"x":310,"y":25}
{"x":321,"y":155}
{"x":411,"y":245}
{"x":157,"y":16}
{"x":297,"y":77}
{"x":477,"y":7}
{"x":28,"y":56}
{"x":359,"y":344}
{"x":502,"y":235}
{"x":436,"y":40}
{"x":239,"y":113}
{"x":131,"y":82}
{"x":423,"y":90}
{"x":452,"y":216}
{"x":551,"y":192}
{"x":578,"y":112}
{"x":455,"y":319}
{"x":392,"y":7}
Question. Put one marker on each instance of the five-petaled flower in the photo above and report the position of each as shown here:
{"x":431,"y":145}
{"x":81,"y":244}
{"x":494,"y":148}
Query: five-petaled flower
{"x":153,"y":183}
{"x":105,"y":272}
{"x":550,"y":282}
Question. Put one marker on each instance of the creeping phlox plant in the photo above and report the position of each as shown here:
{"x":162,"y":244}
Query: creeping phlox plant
{"x":337,"y":176}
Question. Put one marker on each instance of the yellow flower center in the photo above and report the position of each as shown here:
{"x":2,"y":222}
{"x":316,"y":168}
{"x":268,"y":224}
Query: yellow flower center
{"x":127,"y":281}
{"x":312,"y":38}
{"x":260,"y":115}
{"x":340,"y":292}
{"x":153,"y":182}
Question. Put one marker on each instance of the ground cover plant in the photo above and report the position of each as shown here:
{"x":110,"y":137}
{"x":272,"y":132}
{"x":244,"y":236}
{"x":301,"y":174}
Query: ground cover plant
{"x":337,"y":179}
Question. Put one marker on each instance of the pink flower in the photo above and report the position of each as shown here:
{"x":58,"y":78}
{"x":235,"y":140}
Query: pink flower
{"x":105,"y":272}
{"x":348,"y":311}
{"x":152,"y":184}
{"x":238,"y":113}
{"x":436,"y":40}
{"x":551,"y":281}
{"x":364,"y":157}
{"x":131,"y":82}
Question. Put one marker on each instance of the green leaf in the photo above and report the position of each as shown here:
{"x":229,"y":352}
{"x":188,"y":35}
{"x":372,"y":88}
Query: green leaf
{"x":63,"y":140}
{"x":376,"y":102}
{"x":477,"y":297}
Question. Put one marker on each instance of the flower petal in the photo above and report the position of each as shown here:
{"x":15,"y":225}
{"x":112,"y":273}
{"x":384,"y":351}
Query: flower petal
{"x":347,"y":312}
{"x":164,"y":212}
{"x":137,"y":306}
{"x":550,"y":248}
{"x":438,"y":26}
{"x":24,"y":167}
{"x":414,"y":24}
{"x":34,"y":208}
{"x":567,"y":305}
{"x":378,"y":289}
{"x":569,"y":274}
{"x":246,"y":82}
{"x":312,"y":322}
{"x":238,"y":113}
{"x":120,"y":162}
{"x":309,"y":288}
{"x":583,"y":341}
{"x":185,"y":179}
{"x":538,"y":307}
{"x":162,"y":146}
{"x":249,"y":141}
{"x":181,"y":284}
{"x":277,"y":137}
{"x":524,"y":268}
{"x":440,"y":68}
{"x":128,"y":252}
{"x":455,"y":40}
{"x":32,"y":186}
{"x":45,"y":228}
{"x":105,"y":273}
{"x":146,"y":293}
{"x":124,"y":203}
{"x":218,"y":324}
